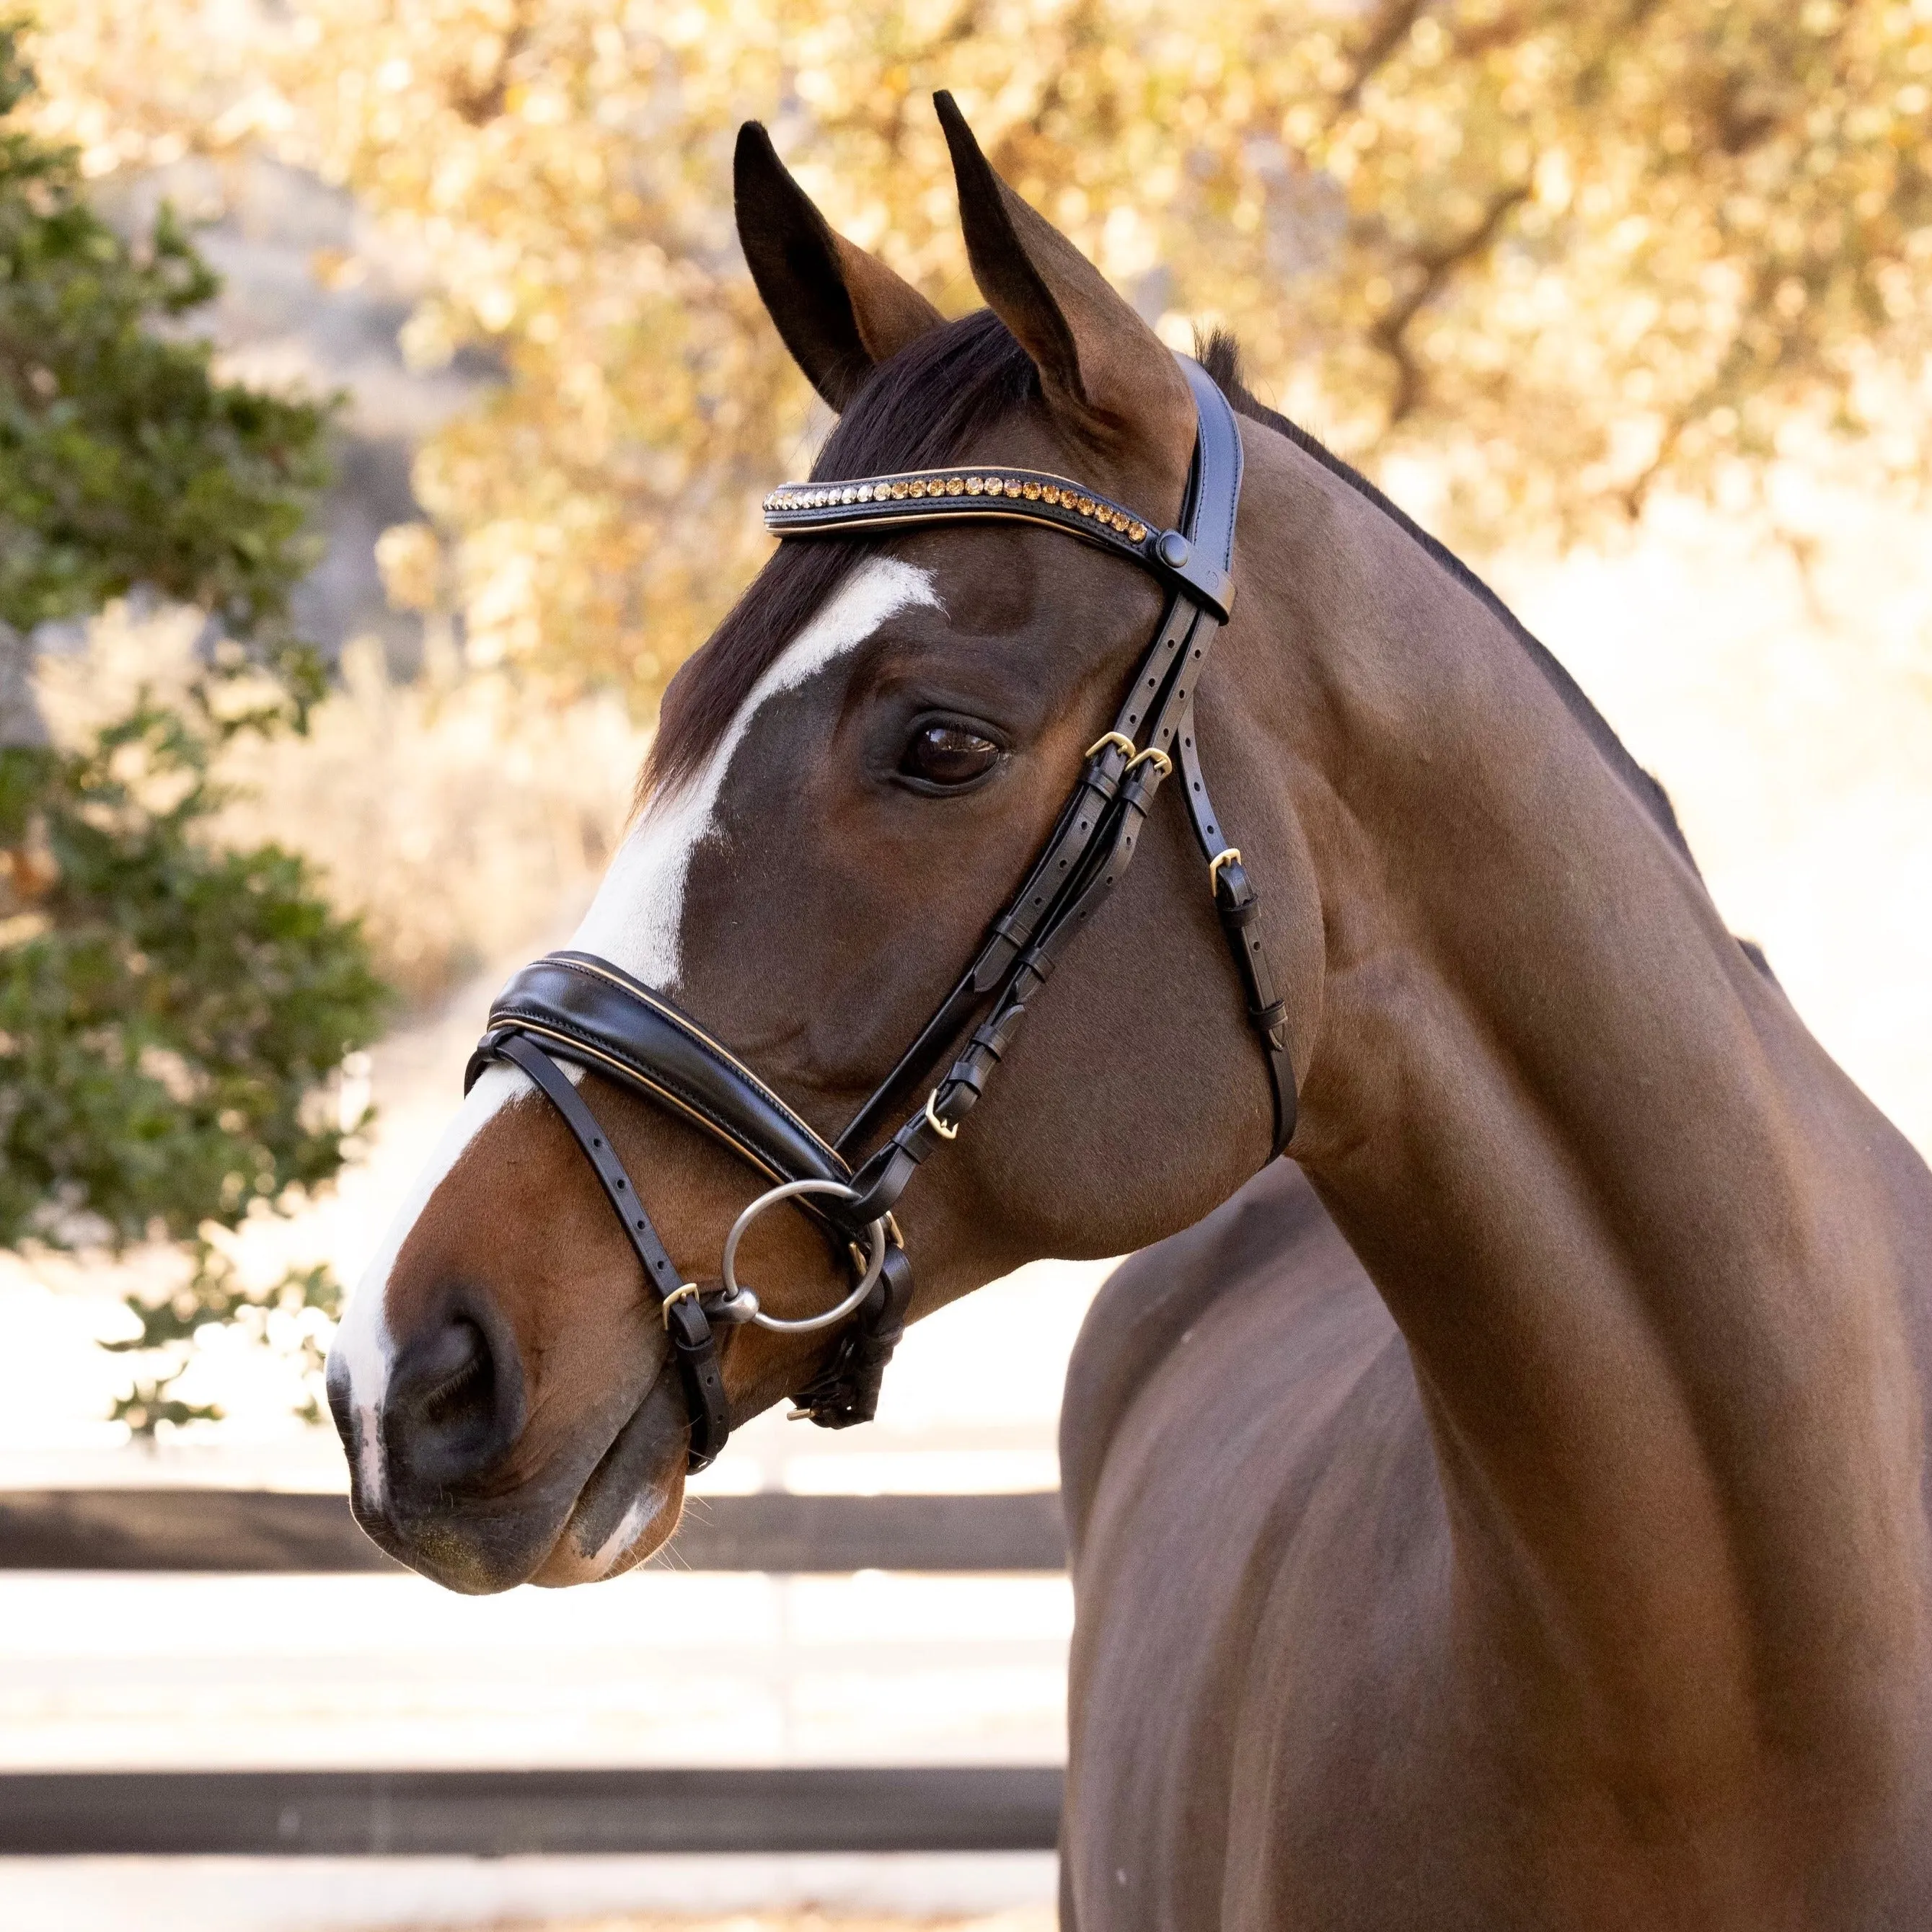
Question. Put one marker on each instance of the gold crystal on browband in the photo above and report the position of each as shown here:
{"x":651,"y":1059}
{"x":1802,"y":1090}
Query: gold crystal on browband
{"x":797,"y":507}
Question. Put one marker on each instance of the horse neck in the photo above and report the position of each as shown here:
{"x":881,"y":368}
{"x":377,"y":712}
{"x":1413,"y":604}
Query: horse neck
{"x":1642,"y":1238}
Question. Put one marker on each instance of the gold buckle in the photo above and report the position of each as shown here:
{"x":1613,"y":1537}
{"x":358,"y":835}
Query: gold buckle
{"x":938,"y":1125}
{"x":1228,"y":855}
{"x":678,"y":1294}
{"x":1119,"y":738}
{"x":1158,"y":757}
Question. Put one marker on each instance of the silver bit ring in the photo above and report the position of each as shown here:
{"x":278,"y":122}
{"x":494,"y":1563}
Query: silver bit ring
{"x":740,"y":1295}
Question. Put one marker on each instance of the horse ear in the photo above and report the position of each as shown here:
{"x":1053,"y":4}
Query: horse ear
{"x":841,"y":311}
{"x":1104,"y":371}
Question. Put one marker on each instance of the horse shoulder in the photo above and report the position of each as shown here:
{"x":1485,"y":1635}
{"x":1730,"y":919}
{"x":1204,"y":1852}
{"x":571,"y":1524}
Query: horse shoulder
{"x":1259,"y":1550}
{"x":1150,"y":1303}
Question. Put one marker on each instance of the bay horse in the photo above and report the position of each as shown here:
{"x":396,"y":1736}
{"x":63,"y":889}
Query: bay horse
{"x":1512,"y":1512}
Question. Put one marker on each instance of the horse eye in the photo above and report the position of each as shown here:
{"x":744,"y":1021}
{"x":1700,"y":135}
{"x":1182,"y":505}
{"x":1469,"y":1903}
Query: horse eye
{"x":948,"y":755}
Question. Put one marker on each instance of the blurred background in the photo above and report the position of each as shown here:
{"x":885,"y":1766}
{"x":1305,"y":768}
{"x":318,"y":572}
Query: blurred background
{"x":383,"y":408}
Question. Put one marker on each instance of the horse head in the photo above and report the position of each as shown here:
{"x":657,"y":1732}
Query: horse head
{"x":850,"y":780}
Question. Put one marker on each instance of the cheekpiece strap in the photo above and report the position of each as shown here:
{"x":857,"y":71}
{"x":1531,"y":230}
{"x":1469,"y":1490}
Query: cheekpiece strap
{"x":692,"y":1342}
{"x":1025,"y":496}
{"x":1096,"y":837}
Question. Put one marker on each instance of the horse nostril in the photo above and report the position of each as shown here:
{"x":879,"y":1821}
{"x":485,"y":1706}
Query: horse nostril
{"x":466,"y":1392}
{"x":454,"y":1404}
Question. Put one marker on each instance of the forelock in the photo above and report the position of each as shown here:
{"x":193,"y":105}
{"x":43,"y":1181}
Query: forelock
{"x":922,"y":409}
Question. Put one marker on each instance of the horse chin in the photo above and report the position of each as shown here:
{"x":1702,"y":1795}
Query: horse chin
{"x":632,"y":1501}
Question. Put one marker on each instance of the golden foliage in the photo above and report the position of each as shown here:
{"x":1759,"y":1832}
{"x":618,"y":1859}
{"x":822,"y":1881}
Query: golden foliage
{"x":1574,"y":250}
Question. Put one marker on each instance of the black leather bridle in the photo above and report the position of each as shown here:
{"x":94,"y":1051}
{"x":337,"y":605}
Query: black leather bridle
{"x":573,"y":1007}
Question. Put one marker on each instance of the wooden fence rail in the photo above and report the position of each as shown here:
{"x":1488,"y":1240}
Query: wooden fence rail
{"x":501,"y":1813}
{"x":257,"y":1531}
{"x":497,"y":1813}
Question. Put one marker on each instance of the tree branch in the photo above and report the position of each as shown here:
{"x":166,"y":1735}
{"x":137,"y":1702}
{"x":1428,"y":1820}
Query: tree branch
{"x":1387,"y":32}
{"x":1391,"y":334}
{"x":479,"y":101}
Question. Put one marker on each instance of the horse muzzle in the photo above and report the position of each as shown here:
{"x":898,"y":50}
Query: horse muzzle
{"x":446,"y":1478}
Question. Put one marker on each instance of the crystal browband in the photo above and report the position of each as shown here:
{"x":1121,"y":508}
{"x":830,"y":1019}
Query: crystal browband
{"x":1031,"y":496}
{"x":1002,"y":489}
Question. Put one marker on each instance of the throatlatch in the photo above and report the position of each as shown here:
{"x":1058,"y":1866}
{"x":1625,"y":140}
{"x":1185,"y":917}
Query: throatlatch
{"x":573,"y":1007}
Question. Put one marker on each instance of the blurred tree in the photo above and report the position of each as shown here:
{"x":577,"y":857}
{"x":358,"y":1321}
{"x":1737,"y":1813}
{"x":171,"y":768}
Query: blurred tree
{"x":169,"y":1012}
{"x":1576,"y":250}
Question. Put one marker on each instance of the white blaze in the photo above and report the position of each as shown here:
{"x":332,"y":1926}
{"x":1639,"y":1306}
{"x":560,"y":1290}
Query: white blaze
{"x":363,"y":1344}
{"x":635,"y":920}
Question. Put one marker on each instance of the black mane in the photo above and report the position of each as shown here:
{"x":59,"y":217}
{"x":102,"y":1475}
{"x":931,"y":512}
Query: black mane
{"x":921,"y":410}
{"x":925,"y":408}
{"x":1221,"y":357}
